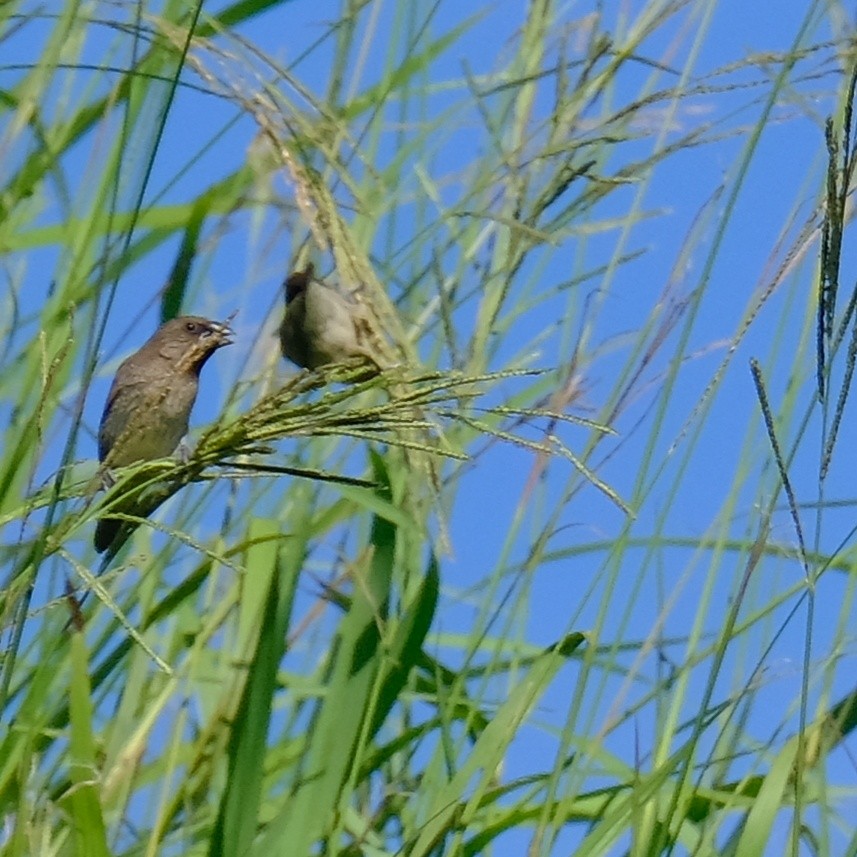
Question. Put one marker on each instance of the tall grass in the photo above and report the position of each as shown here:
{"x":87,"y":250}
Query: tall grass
{"x":571,"y":575}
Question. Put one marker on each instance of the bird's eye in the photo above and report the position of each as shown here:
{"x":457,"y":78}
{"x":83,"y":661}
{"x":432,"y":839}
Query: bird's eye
{"x":190,"y":326}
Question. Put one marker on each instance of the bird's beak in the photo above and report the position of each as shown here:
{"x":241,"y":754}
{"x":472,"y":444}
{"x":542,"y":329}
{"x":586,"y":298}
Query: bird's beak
{"x":224,"y":333}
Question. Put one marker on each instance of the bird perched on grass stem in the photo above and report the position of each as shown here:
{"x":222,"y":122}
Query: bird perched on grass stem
{"x":149,"y":404}
{"x":321,"y":325}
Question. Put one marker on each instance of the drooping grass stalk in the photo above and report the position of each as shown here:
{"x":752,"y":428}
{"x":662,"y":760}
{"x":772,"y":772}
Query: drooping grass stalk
{"x":466,"y":605}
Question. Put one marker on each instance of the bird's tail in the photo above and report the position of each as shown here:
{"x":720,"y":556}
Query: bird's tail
{"x":106,"y":531}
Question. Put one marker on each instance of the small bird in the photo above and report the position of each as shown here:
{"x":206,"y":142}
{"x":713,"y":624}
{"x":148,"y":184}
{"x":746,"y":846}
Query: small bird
{"x":149,"y":404}
{"x":321,"y":326}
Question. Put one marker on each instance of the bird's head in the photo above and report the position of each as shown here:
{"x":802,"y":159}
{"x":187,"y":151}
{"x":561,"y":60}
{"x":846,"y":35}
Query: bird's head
{"x":297,"y":282}
{"x":190,"y":340}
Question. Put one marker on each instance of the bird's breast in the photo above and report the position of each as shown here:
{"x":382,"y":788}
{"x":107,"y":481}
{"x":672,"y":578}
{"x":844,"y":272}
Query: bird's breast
{"x":147,"y":421}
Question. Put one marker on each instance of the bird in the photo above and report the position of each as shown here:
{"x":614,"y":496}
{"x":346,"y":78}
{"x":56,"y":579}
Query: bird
{"x":320,"y":325}
{"x":149,"y":404}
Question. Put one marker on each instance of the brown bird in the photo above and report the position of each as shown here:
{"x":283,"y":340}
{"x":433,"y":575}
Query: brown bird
{"x":320,"y":325}
{"x":149,"y":404}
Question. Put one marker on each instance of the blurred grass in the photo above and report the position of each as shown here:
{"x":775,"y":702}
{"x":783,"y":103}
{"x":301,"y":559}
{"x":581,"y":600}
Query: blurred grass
{"x":277,"y":661}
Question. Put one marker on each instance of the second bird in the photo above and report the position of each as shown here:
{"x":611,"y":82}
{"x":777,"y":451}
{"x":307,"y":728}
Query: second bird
{"x":153,"y":393}
{"x":321,"y":326}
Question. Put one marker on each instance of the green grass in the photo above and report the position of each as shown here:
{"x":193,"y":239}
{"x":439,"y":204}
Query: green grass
{"x":288,"y":655}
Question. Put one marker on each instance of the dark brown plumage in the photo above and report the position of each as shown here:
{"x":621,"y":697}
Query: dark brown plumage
{"x":149,"y":404}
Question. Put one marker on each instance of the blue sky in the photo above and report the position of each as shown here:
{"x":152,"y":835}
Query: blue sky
{"x":778,"y":194}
